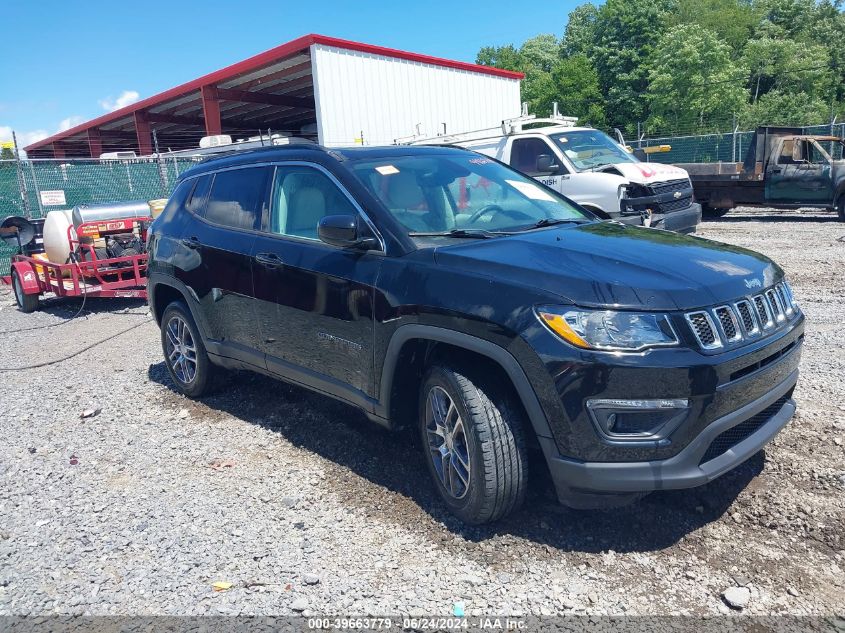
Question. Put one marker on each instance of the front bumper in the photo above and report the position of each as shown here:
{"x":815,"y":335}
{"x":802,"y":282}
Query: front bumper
{"x":686,"y":469}
{"x":682,"y":221}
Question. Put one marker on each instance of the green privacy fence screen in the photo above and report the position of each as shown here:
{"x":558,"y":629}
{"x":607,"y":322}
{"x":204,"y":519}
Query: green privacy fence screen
{"x":31,"y":188}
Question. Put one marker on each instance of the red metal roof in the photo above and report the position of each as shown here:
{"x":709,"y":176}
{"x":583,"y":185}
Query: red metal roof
{"x":261,"y":60}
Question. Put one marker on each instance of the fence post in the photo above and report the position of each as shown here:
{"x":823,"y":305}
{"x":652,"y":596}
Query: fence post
{"x":37,"y":190}
{"x":733,"y":143}
{"x":21,"y":179}
{"x":162,"y":167}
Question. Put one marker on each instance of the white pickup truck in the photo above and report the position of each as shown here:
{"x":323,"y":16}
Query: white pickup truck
{"x":589,"y":167}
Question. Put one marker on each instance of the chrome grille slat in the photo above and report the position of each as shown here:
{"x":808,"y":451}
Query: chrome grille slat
{"x":732,"y":324}
{"x":746,"y":317}
{"x":704,"y":329}
{"x":727,"y":321}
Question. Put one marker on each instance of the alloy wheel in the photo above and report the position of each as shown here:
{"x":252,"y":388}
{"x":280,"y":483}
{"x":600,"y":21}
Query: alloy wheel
{"x":181,"y":349}
{"x":447,"y":442}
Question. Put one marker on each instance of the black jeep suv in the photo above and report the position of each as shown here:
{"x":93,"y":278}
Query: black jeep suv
{"x":438,"y":288}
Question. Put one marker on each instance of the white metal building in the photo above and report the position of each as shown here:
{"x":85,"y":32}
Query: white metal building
{"x":334,"y":91}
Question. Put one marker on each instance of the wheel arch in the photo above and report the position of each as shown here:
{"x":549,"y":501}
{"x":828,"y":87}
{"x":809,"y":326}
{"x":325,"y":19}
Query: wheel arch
{"x":28,"y":277}
{"x":413,"y":347}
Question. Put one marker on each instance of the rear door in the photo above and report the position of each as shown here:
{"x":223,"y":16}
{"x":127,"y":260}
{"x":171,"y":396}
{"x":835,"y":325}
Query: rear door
{"x":314,"y":303}
{"x":802,"y":173}
{"x":217,"y":245}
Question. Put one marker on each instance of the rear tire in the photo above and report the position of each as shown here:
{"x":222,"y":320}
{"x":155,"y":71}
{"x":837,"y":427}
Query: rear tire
{"x":481,"y":468}
{"x":712,"y":212}
{"x":185,"y":355}
{"x":26,"y":303}
{"x":840,"y":208}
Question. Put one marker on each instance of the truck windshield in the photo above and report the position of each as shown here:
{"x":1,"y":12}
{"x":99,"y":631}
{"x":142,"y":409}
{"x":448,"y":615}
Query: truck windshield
{"x":441,"y":193}
{"x":588,"y":149}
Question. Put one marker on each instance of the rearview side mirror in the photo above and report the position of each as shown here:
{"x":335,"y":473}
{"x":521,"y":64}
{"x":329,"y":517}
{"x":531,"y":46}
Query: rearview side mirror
{"x":343,"y":231}
{"x":546,"y":164}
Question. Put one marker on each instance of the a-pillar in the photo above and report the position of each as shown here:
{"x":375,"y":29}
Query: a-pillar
{"x":142,"y":131}
{"x":211,"y":110}
{"x":95,"y":143}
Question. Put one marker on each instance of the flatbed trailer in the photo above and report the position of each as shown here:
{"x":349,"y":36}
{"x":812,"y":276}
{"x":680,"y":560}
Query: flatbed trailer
{"x":33,"y":277}
{"x":783,"y":168}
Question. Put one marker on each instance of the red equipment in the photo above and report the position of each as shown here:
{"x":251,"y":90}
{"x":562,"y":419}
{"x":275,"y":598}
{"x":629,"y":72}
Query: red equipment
{"x":86,"y":275}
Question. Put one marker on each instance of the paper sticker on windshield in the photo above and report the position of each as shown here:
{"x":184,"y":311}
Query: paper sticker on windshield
{"x":530,"y":191}
{"x":480,"y":161}
{"x":386,"y":170}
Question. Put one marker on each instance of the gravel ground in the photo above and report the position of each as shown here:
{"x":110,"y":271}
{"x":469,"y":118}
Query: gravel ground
{"x":303,"y":506}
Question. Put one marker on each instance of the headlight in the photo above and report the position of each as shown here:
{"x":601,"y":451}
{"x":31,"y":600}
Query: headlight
{"x":608,"y":329}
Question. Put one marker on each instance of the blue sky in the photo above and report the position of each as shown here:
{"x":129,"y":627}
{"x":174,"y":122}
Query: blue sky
{"x":62,"y":63}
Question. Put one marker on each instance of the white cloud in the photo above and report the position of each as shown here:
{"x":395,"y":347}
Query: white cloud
{"x":33,"y":136}
{"x":71,"y":121}
{"x":127,"y":97}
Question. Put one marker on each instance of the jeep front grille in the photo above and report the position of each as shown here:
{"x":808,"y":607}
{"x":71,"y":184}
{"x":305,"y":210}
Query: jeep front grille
{"x":723,"y":325}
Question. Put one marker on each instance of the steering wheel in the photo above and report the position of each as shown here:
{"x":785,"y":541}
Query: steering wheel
{"x":496,"y":209}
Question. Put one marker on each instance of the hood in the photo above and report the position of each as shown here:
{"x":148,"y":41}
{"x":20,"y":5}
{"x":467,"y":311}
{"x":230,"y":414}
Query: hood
{"x":606,"y":264}
{"x":646,"y":173}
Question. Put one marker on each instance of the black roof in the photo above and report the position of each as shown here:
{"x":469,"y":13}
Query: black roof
{"x":316,"y":153}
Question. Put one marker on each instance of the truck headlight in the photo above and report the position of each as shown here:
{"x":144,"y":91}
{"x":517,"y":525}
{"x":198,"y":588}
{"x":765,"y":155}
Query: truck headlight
{"x":608,"y":329}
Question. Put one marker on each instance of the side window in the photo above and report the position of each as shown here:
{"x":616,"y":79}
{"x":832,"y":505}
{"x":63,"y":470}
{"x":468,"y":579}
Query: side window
{"x":196,"y":202}
{"x":237,"y":197}
{"x":302,"y":196}
{"x":526,"y":151}
{"x":178,"y":197}
{"x":786,"y":152}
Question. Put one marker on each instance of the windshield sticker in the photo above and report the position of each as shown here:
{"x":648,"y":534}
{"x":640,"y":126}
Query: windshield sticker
{"x":386,"y":170}
{"x":480,"y":161}
{"x":530,"y":191}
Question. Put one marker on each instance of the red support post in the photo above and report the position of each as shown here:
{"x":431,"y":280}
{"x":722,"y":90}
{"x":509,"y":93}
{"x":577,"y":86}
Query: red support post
{"x":211,"y":110}
{"x":95,"y":143}
{"x":142,"y":130}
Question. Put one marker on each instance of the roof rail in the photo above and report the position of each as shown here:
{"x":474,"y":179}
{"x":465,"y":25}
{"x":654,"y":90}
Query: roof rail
{"x":506,"y":128}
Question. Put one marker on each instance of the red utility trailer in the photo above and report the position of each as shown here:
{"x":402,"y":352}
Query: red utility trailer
{"x":86,"y":275}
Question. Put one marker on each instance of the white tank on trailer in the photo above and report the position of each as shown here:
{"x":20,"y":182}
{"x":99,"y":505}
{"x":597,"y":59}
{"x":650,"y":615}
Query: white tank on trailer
{"x":56,"y":244}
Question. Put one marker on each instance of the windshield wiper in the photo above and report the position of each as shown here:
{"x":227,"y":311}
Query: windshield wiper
{"x":552,"y":221}
{"x":479,"y":234}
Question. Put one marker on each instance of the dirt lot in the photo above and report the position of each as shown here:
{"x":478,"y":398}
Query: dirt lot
{"x":304,"y":507}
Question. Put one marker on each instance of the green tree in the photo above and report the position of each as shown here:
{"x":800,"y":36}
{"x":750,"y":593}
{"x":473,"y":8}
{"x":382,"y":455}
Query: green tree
{"x":579,"y":38}
{"x":692,"y":82}
{"x":625,"y":37}
{"x":787,"y":65}
{"x":7,"y":154}
{"x":540,"y":52}
{"x":785,"y":108}
{"x":504,"y":57}
{"x":733,"y":21}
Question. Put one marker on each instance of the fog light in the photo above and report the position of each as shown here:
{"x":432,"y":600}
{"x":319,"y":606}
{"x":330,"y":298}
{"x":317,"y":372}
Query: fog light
{"x":637,"y":420}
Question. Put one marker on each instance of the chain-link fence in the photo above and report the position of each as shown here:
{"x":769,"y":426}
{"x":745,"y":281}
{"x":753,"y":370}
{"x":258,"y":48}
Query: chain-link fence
{"x":32,"y":188}
{"x":725,"y":147}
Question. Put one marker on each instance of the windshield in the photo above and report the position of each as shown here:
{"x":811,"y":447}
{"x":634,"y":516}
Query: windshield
{"x":588,"y":149}
{"x":461,"y":191}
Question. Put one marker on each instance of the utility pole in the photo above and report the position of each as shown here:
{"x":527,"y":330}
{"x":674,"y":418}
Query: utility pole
{"x":21,"y":179}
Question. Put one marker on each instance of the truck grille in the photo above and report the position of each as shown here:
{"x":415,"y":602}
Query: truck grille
{"x":726,"y":440}
{"x":731,"y":324}
{"x":672,"y":185}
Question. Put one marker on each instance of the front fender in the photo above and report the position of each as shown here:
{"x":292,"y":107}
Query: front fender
{"x":30,"y":284}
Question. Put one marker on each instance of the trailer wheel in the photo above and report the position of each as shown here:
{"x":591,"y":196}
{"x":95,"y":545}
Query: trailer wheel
{"x":840,"y":208}
{"x":184,"y":352}
{"x":26,"y":303}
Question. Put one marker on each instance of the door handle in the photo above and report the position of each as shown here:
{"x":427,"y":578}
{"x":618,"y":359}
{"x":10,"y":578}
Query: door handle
{"x":270,"y":260}
{"x":191,"y":242}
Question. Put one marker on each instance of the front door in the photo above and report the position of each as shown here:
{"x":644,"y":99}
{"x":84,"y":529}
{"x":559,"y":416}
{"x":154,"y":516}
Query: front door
{"x":801,"y":174}
{"x":218,"y":245}
{"x":315,"y":301}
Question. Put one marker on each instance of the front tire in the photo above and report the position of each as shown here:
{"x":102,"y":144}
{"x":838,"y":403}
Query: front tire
{"x":714,"y":212}
{"x":184,"y":352}
{"x":26,"y":303}
{"x":474,"y":445}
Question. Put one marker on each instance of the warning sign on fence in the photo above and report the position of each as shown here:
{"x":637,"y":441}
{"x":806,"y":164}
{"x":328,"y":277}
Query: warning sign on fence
{"x":53,"y":198}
